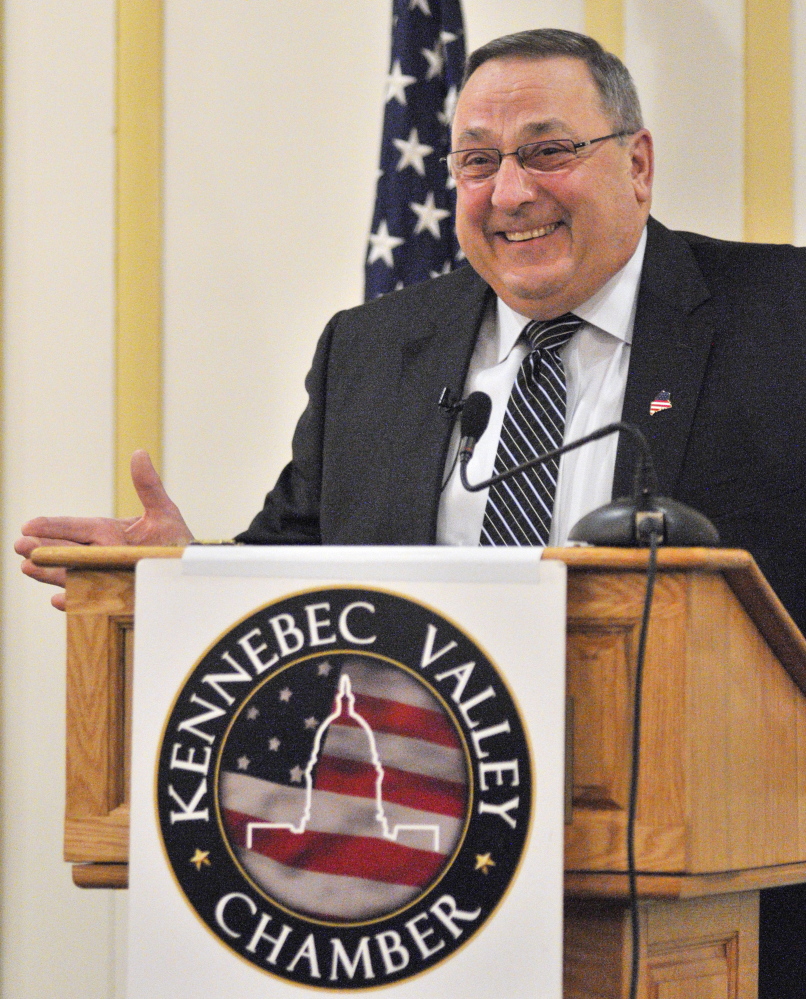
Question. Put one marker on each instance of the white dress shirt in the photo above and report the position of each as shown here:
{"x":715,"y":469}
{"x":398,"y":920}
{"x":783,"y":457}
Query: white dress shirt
{"x":596,"y":359}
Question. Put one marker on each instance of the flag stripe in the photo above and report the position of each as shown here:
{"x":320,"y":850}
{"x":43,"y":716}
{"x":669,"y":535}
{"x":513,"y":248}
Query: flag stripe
{"x":328,"y":896}
{"x":336,"y":853}
{"x":356,"y":778}
{"x":389,"y":683}
{"x":402,"y":719}
{"x":414,"y":755}
{"x":330,"y":812}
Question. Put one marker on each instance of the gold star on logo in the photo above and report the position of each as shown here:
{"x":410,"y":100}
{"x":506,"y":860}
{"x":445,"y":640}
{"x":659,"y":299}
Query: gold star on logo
{"x":483,"y":862}
{"x":202,"y":857}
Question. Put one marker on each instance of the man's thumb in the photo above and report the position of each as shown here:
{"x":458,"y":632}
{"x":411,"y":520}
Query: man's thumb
{"x":147,"y":483}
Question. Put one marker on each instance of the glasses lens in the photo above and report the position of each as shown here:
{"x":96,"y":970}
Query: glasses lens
{"x":543,"y":157}
{"x":475,"y":164}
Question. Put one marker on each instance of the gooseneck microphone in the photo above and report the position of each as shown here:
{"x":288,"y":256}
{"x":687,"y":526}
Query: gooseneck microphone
{"x":624,"y":523}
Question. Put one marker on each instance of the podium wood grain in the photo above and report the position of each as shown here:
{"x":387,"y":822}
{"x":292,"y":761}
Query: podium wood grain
{"x":722,"y":791}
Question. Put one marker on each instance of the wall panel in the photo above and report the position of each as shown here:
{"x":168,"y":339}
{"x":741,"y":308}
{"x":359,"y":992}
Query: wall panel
{"x":56,"y":942}
{"x":484,"y":20}
{"x":687,"y":60}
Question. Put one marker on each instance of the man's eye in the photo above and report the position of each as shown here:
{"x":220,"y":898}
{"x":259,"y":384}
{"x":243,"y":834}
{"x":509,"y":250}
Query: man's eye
{"x":478,"y":158}
{"x":550,"y":150}
{"x":547,"y":156}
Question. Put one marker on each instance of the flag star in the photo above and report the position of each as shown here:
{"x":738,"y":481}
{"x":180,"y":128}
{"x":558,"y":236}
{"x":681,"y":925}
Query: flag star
{"x":252,"y":713}
{"x":200,"y":857}
{"x":382,"y":244}
{"x":435,"y":60}
{"x":413,"y":152}
{"x":274,"y":744}
{"x":323,"y":668}
{"x":446,"y":269}
{"x":243,"y":762}
{"x":396,"y":83}
{"x":311,"y":722}
{"x":399,"y":286}
{"x":460,"y":255}
{"x":296,"y":775}
{"x":450,"y":183}
{"x":421,"y":5}
{"x":285,"y":695}
{"x":448,"y":107}
{"x":446,"y":37}
{"x":428,"y":216}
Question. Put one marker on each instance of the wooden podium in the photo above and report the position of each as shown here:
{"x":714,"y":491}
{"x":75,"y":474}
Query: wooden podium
{"x":722,"y":791}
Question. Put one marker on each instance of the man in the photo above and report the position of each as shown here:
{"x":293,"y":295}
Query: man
{"x":697,"y":341}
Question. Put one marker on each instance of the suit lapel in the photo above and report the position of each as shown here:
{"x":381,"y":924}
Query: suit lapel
{"x":671,"y":342}
{"x":435,"y":354}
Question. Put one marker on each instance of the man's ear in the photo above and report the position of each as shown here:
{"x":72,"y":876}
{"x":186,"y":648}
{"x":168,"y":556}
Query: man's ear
{"x":642,"y":164}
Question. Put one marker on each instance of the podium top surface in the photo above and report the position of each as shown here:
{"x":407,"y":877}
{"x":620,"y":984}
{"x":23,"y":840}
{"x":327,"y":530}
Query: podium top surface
{"x":738,"y":568}
{"x":624,"y":559}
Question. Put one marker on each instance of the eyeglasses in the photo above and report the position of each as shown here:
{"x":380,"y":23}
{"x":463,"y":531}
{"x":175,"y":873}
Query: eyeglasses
{"x":535,"y":157}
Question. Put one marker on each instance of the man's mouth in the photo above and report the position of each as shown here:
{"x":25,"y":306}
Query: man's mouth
{"x":519,"y":237}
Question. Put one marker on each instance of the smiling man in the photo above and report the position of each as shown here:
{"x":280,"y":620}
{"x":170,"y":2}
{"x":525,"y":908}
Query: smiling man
{"x":547,"y":229}
{"x":577,"y":309}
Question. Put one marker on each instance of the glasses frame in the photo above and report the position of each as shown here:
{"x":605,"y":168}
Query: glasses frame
{"x":519,"y":154}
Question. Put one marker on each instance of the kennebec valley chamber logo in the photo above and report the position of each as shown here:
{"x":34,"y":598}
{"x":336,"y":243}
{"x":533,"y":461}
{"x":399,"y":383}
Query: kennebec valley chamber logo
{"x":344,"y":788}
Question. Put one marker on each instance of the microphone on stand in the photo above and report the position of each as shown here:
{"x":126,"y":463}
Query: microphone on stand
{"x":625,"y":523}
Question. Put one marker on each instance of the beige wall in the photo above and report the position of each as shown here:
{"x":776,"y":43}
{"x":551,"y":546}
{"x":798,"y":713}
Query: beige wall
{"x":58,"y":302}
{"x":260,"y":248}
{"x":687,"y":62}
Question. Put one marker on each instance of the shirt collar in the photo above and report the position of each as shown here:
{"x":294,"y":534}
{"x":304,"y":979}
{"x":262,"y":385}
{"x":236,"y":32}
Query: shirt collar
{"x":611,"y":308}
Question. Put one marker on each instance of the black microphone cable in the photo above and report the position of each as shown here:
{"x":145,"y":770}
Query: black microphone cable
{"x":649,"y":529}
{"x":635,"y":761}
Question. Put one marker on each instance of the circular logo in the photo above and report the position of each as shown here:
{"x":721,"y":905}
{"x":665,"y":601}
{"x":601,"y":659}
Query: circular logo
{"x":344,"y":788}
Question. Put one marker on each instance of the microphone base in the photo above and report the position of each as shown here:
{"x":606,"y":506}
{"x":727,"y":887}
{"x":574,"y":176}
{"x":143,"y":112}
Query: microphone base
{"x":617,"y":525}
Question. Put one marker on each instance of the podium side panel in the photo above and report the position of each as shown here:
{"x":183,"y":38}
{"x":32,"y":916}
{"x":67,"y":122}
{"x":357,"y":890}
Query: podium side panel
{"x":99,"y":623}
{"x":604,"y":615}
{"x":744,"y":752}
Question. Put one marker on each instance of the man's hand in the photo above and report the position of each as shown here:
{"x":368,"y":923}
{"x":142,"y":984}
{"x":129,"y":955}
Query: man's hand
{"x":160,"y":524}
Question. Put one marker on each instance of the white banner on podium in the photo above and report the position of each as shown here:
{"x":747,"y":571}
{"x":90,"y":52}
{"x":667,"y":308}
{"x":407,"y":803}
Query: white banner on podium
{"x":347,"y":774}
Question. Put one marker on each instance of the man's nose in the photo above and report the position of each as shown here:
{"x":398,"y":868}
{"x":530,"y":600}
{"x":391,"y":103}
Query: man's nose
{"x":513,"y":186}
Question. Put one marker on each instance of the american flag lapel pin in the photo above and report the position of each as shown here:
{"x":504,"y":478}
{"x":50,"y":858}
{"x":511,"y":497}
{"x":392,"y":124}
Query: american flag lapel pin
{"x":661,"y":401}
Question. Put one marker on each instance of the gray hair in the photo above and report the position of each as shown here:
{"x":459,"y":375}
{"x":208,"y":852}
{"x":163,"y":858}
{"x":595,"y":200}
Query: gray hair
{"x":611,"y":77}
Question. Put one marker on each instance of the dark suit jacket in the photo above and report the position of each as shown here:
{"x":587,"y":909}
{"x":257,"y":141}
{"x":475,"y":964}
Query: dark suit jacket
{"x":720,"y":326}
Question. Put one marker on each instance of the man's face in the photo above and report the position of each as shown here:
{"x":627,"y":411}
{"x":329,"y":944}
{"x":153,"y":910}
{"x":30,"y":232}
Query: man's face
{"x":546,"y":243}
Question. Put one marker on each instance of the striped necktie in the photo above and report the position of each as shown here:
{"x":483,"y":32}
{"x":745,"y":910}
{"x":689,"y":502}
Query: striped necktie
{"x":518,"y":511}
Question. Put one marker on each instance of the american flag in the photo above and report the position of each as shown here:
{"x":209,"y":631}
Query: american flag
{"x":662,"y":400}
{"x":412,"y":236}
{"x":344,"y":787}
